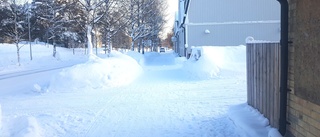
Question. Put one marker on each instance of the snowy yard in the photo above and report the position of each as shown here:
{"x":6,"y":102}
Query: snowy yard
{"x":126,"y":95}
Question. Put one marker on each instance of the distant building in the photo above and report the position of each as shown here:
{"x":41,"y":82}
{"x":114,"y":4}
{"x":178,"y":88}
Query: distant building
{"x":224,"y":23}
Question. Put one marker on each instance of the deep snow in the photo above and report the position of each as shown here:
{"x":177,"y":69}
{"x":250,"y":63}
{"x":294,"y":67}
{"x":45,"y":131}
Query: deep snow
{"x":126,"y":94}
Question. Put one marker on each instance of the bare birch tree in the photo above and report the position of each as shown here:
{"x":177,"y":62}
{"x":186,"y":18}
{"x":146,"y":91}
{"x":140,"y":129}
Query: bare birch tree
{"x":90,"y":9}
{"x":15,"y":26}
{"x":112,"y":22}
{"x":145,"y":17}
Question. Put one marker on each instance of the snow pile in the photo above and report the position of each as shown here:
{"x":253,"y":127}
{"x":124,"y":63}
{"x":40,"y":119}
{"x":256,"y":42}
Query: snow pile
{"x":0,"y":118}
{"x":250,"y":122}
{"x":202,"y":68}
{"x":137,"y":56}
{"x":273,"y":132}
{"x":26,"y":127}
{"x":214,"y":59}
{"x":180,"y":60}
{"x":117,"y":70}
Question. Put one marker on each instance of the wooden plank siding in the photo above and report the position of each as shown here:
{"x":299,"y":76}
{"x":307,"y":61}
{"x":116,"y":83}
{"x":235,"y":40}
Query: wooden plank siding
{"x":263,"y":76}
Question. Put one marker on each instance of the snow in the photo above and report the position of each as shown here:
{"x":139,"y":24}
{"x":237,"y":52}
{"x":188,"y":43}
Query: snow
{"x":26,"y":127}
{"x":237,"y":22}
{"x":42,"y":57}
{"x":97,"y":73}
{"x":126,"y":94}
{"x":245,"y":117}
{"x":0,"y":118}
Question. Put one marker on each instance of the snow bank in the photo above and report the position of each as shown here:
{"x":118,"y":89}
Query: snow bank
{"x":137,"y":56}
{"x":203,"y":68}
{"x":227,"y":57}
{"x":26,"y":127}
{"x":215,"y":59}
{"x":117,"y":70}
{"x":274,"y":133}
{"x":0,"y":118}
{"x":250,"y":122}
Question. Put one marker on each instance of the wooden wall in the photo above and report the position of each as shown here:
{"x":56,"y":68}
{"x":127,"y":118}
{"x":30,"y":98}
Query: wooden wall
{"x":263,"y":78}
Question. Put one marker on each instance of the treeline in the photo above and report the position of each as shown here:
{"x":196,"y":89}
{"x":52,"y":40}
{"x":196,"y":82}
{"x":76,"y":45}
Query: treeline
{"x":126,"y":24}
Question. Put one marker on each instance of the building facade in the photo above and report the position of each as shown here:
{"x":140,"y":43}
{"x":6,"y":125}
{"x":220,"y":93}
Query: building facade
{"x":304,"y":69}
{"x":302,"y":98}
{"x":224,"y":23}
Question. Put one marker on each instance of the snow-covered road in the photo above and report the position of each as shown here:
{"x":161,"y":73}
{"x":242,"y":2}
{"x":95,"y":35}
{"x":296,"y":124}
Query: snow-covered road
{"x":163,"y":101}
{"x":160,"y":105}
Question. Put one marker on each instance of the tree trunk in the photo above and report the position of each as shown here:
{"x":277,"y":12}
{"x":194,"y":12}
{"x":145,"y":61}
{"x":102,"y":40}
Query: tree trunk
{"x":89,"y":42}
{"x":54,"y":48}
{"x":143,"y":43}
{"x":139,"y":46}
{"x":16,"y":34}
{"x":132,"y":44}
{"x":18,"y":53}
{"x":96,"y":43}
{"x":109,"y":43}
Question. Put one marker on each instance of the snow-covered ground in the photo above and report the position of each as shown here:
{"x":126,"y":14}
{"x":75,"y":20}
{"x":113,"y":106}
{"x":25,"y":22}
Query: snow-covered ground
{"x":126,"y":94}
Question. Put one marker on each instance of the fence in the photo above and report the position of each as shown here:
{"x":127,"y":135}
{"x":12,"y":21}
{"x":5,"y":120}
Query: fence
{"x":263,"y":78}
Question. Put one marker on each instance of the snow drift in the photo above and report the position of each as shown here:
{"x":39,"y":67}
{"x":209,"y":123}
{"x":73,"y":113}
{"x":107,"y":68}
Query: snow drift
{"x":203,"y":68}
{"x":245,"y":118}
{"x":26,"y":127}
{"x":137,"y":56}
{"x":215,"y":59}
{"x":0,"y":118}
{"x":116,"y":70}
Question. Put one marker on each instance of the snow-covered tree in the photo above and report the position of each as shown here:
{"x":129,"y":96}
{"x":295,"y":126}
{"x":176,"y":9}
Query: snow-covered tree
{"x":155,"y":22}
{"x":145,"y":15}
{"x":113,"y":21}
{"x":50,"y":17}
{"x":6,"y":16}
{"x":91,"y":10}
{"x":74,"y":23}
{"x":15,"y":25}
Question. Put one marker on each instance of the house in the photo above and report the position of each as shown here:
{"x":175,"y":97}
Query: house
{"x":224,"y":23}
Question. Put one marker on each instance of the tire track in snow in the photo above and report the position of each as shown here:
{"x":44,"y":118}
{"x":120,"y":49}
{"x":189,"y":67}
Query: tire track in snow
{"x":110,"y":110}
{"x":159,"y":104}
{"x":99,"y":115}
{"x":29,"y":72}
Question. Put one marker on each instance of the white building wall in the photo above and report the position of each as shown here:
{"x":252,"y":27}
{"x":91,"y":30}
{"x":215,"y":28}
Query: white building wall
{"x":208,"y":11}
{"x":227,"y":22}
{"x":232,"y":34}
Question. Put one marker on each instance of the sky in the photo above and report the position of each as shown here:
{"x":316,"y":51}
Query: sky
{"x":172,"y":8}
